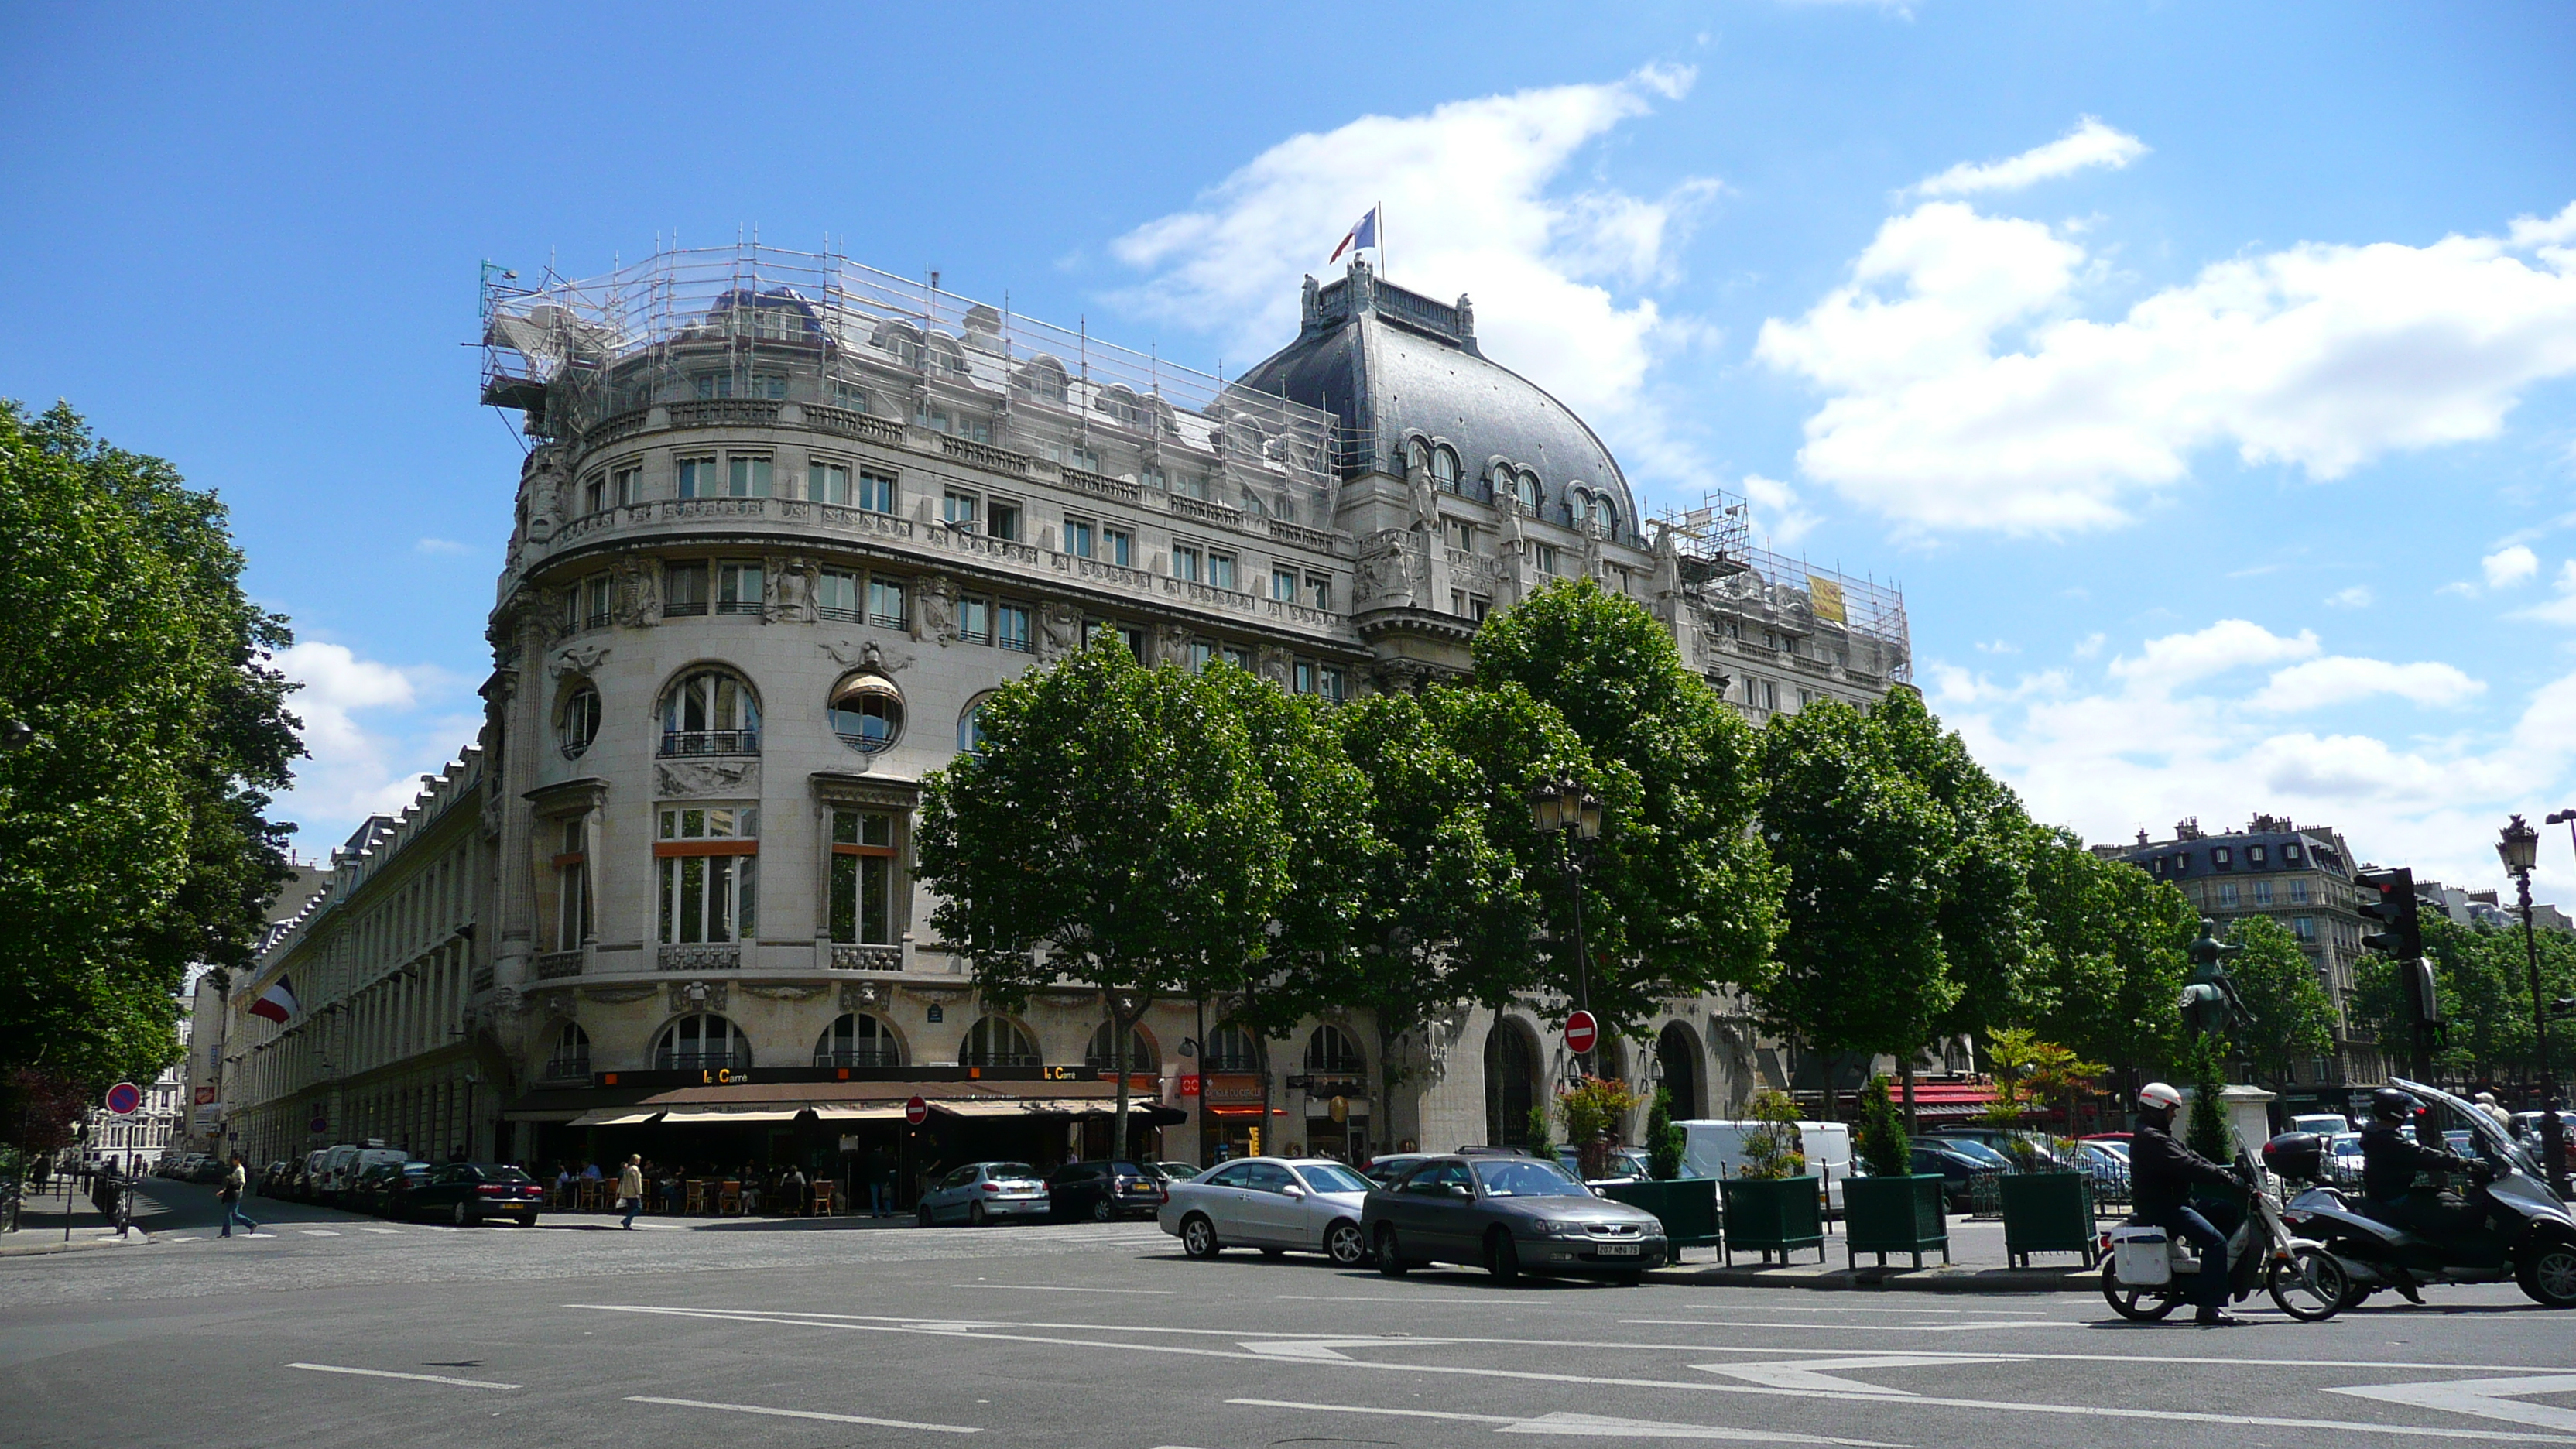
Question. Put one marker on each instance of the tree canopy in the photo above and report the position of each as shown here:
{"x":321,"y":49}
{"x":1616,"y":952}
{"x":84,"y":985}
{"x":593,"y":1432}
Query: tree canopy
{"x":2110,"y":958}
{"x":134,"y":840}
{"x":2288,"y":1014}
{"x":2484,"y":981}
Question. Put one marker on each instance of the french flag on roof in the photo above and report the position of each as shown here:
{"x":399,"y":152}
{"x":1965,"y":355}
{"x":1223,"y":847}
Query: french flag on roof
{"x":277,"y":1003}
{"x":1362,"y":235}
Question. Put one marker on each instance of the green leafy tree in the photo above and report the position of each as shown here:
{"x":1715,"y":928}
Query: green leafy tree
{"x":1682,"y":897}
{"x":1448,"y":909}
{"x":2110,"y":958}
{"x":1985,"y":911}
{"x":1595,"y":1109}
{"x":1861,"y":966}
{"x":1665,"y":1141}
{"x":1114,"y":829}
{"x":2485,"y":987}
{"x":1881,"y":1142}
{"x":2029,"y":1072}
{"x":134,"y":840}
{"x":1774,"y":1149}
{"x":1542,"y":1141}
{"x":2288,"y":1015}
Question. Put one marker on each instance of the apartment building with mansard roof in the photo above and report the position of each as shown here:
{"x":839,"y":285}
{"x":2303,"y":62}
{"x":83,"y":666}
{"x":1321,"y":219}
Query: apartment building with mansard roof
{"x":783,"y":522}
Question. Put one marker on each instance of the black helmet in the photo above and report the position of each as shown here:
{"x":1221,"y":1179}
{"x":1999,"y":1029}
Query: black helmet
{"x":2391,"y":1105}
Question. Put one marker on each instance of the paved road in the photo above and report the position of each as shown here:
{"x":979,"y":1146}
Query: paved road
{"x":341,"y":1330}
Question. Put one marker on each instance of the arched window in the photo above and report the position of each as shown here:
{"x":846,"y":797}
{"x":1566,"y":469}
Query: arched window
{"x":1331,"y":1049}
{"x":1232,"y":1049}
{"x":578,"y":725}
{"x":997,"y":1042}
{"x":1042,"y":378}
{"x":1578,"y":506}
{"x":1525,"y":492}
{"x":902,"y":339}
{"x":858,"y":1040}
{"x":1511,"y":1084}
{"x":1444,"y":470}
{"x":571,"y":1056}
{"x":710,"y":712}
{"x":970,"y":727}
{"x":867,"y":712}
{"x":1608,"y":513}
{"x":1141,"y":1056}
{"x":694,"y":1043}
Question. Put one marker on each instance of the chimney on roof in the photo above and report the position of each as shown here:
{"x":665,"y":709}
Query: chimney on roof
{"x":2187,"y":828}
{"x":2142,"y":835}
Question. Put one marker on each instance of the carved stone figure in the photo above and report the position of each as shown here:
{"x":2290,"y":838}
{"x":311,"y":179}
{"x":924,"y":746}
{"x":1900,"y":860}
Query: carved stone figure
{"x":935,"y":613}
{"x":789,"y":583}
{"x":1383,"y":570}
{"x":1272,"y":664}
{"x":1172,"y":644}
{"x":639,"y":593}
{"x":706,"y":779}
{"x":1418,"y":488}
{"x":697,"y":996}
{"x":1059,"y":630}
{"x":579,"y":659}
{"x":863,"y":995}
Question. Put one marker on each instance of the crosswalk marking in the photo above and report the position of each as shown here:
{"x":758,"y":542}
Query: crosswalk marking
{"x":318,"y":1232}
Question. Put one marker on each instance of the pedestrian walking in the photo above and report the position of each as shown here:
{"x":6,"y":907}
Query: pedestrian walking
{"x":630,"y":1190}
{"x":880,"y":1180}
{"x":236,"y":1182}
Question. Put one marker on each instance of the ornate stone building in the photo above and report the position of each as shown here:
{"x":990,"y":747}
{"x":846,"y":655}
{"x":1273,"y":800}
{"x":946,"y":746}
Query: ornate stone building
{"x":782,"y":523}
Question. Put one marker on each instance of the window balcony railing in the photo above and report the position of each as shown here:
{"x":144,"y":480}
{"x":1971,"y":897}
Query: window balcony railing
{"x":554,"y":965}
{"x":724,"y":957}
{"x":738,"y":606}
{"x":681,"y":743}
{"x":885,"y":1055}
{"x":848,"y":957}
{"x":574,"y":1068}
{"x":700,"y":1061}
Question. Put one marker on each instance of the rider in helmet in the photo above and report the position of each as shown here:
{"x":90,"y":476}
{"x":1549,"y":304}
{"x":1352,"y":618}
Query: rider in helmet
{"x":2390,"y":1160}
{"x":2162,"y":1172}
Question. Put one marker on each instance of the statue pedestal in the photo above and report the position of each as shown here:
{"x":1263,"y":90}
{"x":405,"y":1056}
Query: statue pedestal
{"x":2249,"y":1112}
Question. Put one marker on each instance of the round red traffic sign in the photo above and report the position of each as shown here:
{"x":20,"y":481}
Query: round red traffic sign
{"x":123,"y":1098}
{"x":1581,"y":1032}
{"x":916,"y":1111}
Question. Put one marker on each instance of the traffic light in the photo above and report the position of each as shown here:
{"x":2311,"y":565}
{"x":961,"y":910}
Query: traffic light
{"x":2388,"y":897}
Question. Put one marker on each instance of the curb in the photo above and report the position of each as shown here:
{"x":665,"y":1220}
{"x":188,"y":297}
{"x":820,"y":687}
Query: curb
{"x":37,"y":1250}
{"x":1900,"y":1280}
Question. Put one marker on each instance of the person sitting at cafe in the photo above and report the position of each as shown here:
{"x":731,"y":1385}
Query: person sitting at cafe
{"x":791,"y":1191}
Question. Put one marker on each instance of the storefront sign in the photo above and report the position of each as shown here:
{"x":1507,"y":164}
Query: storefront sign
{"x":1189,"y":1084}
{"x":1233,"y":1089}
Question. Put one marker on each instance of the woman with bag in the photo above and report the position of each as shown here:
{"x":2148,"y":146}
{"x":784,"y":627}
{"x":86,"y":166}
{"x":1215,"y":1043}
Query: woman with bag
{"x":236,"y":1182}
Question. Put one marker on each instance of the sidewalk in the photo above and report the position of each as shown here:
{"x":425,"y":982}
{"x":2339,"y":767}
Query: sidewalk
{"x":40,"y":1223}
{"x":1977,"y":1265}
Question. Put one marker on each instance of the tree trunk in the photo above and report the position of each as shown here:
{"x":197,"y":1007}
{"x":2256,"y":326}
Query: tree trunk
{"x":1120,"y":1028}
{"x":1905,"y":1082}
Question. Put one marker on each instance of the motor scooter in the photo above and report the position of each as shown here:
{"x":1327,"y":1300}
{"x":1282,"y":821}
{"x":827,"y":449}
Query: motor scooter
{"x":2519,"y":1229}
{"x":2146,"y":1272}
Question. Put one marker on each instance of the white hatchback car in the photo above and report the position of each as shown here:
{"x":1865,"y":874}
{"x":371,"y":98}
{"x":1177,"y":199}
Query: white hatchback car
{"x":1275,"y":1204}
{"x":982,"y":1192}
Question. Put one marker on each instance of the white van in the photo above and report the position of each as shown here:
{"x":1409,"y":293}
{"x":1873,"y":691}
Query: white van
{"x":342,"y":1164}
{"x":1716,"y":1149}
{"x":2325,"y":1124}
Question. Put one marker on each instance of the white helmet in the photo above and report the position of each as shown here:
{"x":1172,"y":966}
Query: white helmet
{"x":2159,"y":1097}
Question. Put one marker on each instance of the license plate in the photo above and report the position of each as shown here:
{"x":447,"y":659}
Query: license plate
{"x":1616,"y":1250}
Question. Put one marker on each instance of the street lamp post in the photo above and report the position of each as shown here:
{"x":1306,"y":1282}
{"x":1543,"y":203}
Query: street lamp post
{"x":2518,"y":846}
{"x":1558,"y":807}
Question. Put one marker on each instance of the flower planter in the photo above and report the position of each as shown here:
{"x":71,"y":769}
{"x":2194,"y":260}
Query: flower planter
{"x":1886,"y":1215}
{"x":2048,"y":1212}
{"x":1686,"y":1206}
{"x":1773,"y":1216}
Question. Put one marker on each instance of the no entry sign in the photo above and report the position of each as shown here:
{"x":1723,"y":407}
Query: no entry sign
{"x":916,"y":1111}
{"x":1581,"y":1032}
{"x":123,"y":1098}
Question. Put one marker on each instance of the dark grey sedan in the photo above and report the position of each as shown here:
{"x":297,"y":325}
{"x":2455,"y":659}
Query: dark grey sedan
{"x":1508,"y":1215}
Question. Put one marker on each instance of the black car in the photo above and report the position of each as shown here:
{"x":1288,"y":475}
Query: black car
{"x":466,"y":1193}
{"x":1102,"y":1191}
{"x":1507,"y":1215}
{"x":1959,"y":1171}
{"x":381,"y":1189}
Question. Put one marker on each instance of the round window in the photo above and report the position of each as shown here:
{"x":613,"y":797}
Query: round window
{"x":580,"y":722}
{"x":867,"y":712}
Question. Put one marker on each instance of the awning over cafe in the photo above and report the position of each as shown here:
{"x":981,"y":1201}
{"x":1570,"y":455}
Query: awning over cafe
{"x":777,"y":1103}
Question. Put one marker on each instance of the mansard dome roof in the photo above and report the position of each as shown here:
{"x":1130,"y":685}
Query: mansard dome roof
{"x":1394,"y":366}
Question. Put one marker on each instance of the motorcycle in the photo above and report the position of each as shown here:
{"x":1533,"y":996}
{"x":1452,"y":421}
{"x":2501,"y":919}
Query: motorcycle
{"x":2523,"y":1230}
{"x":2146,"y":1273}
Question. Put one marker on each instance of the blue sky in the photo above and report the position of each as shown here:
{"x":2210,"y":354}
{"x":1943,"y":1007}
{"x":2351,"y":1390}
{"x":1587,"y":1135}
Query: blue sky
{"x":2203,"y":372}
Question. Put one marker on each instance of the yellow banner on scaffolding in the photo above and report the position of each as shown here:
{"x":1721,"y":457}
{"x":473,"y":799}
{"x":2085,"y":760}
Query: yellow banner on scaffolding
{"x":1827,"y":598}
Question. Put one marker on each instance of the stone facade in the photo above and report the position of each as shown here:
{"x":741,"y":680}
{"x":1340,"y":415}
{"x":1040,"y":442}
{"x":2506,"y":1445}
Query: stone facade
{"x":768,"y":554}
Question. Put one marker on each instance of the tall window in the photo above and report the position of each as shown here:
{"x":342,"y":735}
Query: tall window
{"x":1232,"y":1049}
{"x":1331,"y":1049}
{"x":1118,"y":546}
{"x":738,"y":588}
{"x":827,"y":481}
{"x":572,"y":890}
{"x":970,"y":728}
{"x":1444,"y":469}
{"x":598,"y":601}
{"x":594,"y":492}
{"x":697,"y":477}
{"x":996,"y":1042}
{"x":710,"y":712}
{"x":627,"y":483}
{"x":747,"y":477}
{"x":1001,"y":520}
{"x":885,"y":602}
{"x":863,"y":872}
{"x":696,"y":1043}
{"x":1141,"y":1056}
{"x":876,"y":493}
{"x":1525,"y":492}
{"x":1077,"y":537}
{"x":1544,"y":555}
{"x":1319,"y":590}
{"x":1221,"y":570}
{"x":858,"y":1040}
{"x":571,"y":1055}
{"x":1011,"y":627}
{"x":957,"y":510}
{"x":975,"y":620}
{"x":1185,"y":563}
{"x":1283,"y":585}
{"x":709,"y":860}
{"x":836,"y":595}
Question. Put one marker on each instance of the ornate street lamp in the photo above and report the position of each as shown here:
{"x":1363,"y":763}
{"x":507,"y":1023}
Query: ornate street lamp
{"x":1571,"y":815}
{"x":2518,"y":846}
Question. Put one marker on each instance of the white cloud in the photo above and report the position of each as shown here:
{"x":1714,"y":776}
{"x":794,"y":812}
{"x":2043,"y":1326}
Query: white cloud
{"x":439,"y":545}
{"x":2166,"y":731}
{"x":372,"y":729}
{"x":2090,"y":144}
{"x":2510,"y":566}
{"x":1475,"y":203}
{"x":2358,"y":596}
{"x":1962,"y":393}
{"x":1778,"y":519}
{"x":2090,"y":646}
{"x":2341,"y":679}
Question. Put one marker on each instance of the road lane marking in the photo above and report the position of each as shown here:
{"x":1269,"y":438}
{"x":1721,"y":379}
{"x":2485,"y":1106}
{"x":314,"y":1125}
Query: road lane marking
{"x":1810,"y":1373}
{"x":2482,"y":1398}
{"x":1605,"y":1380}
{"x":317,"y":1232}
{"x":333,"y":1368}
{"x":1573,"y":1424}
{"x":807,"y":1414}
{"x":389,"y":1232}
{"x":1050,"y":1288}
{"x":1319,"y":1347}
{"x":1869,"y":1327}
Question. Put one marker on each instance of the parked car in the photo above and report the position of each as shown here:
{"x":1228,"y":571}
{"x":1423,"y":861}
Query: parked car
{"x":1507,"y":1214}
{"x":1626,"y":1164}
{"x":2109,"y":1169}
{"x":383,"y":1186}
{"x":1174,"y":1171}
{"x":1716,"y":1149}
{"x":1102,"y":1191}
{"x":209,"y":1169}
{"x":1383,"y":1170}
{"x":465,"y":1193}
{"x":2026,"y":1151}
{"x":1959,"y":1171}
{"x":1273,"y":1204}
{"x":2324,"y":1124}
{"x":980,"y":1192}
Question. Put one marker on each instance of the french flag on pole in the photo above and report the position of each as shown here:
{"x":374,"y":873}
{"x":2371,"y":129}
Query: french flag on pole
{"x":277,"y":1003}
{"x":1362,"y":235}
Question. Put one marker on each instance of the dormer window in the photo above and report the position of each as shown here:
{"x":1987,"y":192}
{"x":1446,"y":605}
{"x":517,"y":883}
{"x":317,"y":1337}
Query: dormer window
{"x":2289,"y":855}
{"x":2253,"y":855}
{"x":1444,"y":470}
{"x":2222,"y":858}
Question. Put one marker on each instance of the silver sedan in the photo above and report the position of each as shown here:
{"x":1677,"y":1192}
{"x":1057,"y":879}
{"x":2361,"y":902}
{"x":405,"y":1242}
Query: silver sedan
{"x":1275,"y":1204}
{"x":982,"y":1192}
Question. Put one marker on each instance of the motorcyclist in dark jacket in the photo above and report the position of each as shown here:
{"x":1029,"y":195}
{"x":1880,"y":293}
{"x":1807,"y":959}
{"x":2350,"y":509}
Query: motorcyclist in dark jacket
{"x":2162,"y":1172}
{"x":2390,"y":1160}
